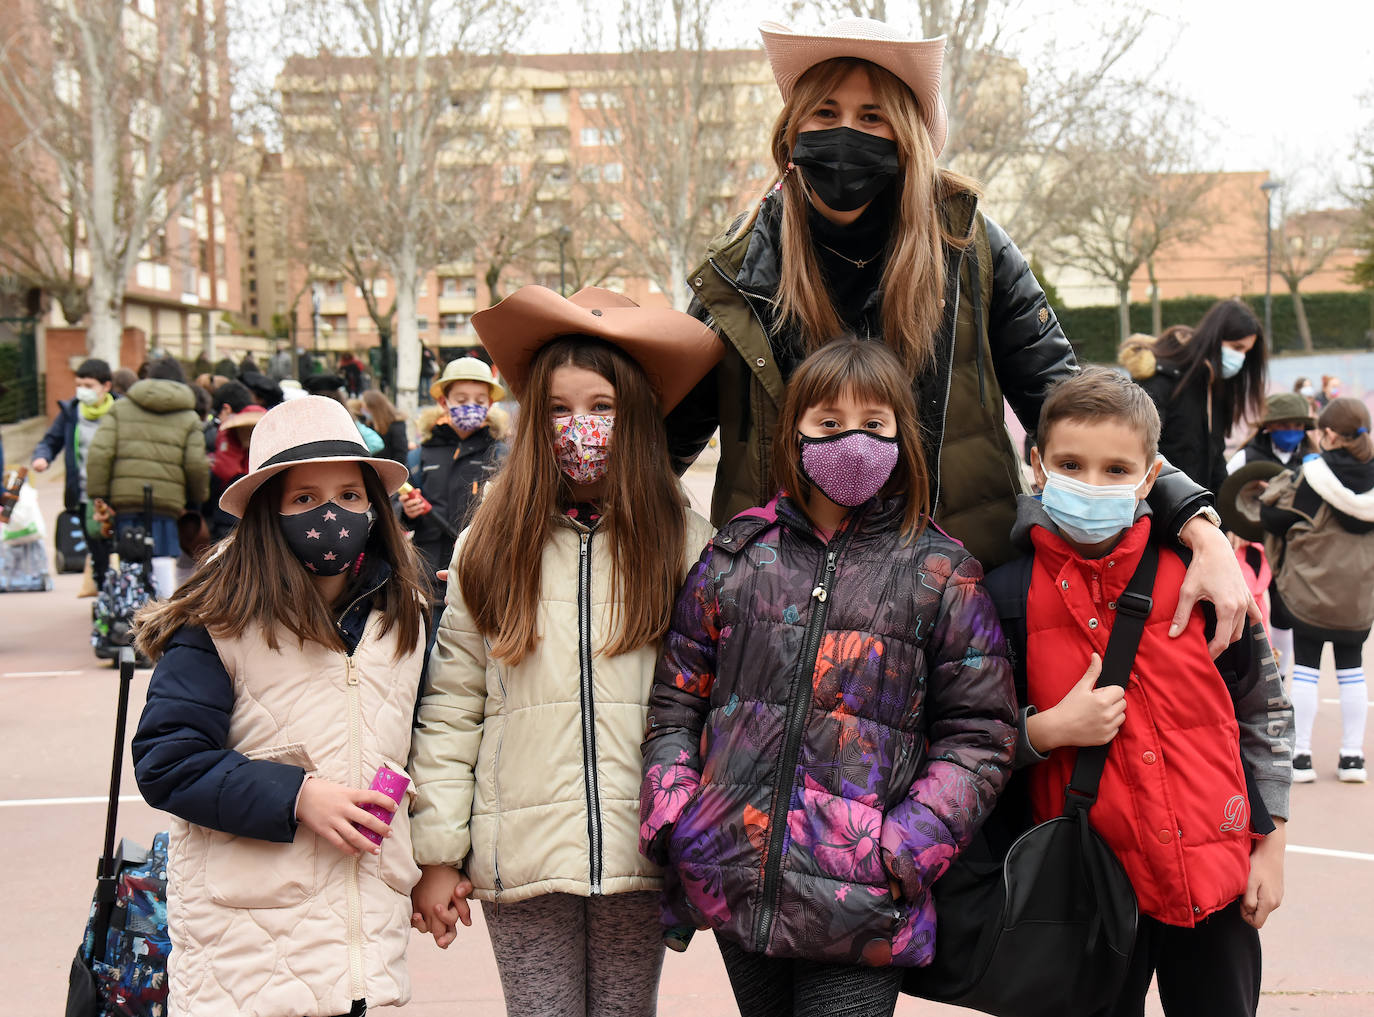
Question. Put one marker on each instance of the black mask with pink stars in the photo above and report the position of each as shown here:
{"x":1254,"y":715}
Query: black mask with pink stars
{"x":327,"y":539}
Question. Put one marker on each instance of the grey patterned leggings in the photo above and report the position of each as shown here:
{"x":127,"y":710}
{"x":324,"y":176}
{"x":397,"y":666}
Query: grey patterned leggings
{"x":566,"y":956}
{"x":776,"y":987}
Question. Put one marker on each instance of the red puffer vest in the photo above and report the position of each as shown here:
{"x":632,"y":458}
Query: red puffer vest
{"x":1172,"y":803}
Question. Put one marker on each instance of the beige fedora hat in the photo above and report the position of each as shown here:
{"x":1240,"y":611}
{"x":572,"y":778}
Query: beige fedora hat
{"x":675,"y":350}
{"x":466,"y":369}
{"x":309,"y":429}
{"x":917,"y":62}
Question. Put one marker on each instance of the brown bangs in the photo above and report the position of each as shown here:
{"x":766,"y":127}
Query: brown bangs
{"x":868,"y":371}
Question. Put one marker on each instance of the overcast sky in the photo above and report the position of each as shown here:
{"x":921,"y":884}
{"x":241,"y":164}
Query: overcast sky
{"x":1280,"y":79}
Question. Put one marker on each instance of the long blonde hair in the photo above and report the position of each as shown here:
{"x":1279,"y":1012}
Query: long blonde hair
{"x":913,"y":283}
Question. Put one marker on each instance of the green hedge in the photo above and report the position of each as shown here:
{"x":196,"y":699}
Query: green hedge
{"x":1340,"y":321}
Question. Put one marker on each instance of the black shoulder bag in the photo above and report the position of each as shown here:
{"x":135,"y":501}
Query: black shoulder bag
{"x":1046,"y":929}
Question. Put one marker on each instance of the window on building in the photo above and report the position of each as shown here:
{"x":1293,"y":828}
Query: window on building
{"x":551,"y":100}
{"x":614,"y":212}
{"x":547,"y":139}
{"x":380,"y":288}
{"x":363,"y":324}
{"x":612,"y":173}
{"x":448,"y":286}
{"x":422,"y":325}
{"x":510,"y":175}
{"x":335,"y":287}
{"x":594,"y":136}
{"x":469,"y":286}
{"x":252,"y":286}
{"x":253,"y":320}
{"x":559,"y":174}
{"x":589,"y":98}
{"x":451,"y":324}
{"x":422,"y":288}
{"x":512,"y":100}
{"x":589,"y":174}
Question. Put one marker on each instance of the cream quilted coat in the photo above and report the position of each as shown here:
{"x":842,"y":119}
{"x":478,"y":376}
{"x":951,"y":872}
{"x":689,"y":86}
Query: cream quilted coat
{"x":528,"y":777}
{"x":261,"y":928}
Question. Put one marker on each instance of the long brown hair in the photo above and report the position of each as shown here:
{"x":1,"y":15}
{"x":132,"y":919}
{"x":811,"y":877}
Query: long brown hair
{"x":252,"y":578}
{"x":383,"y":413}
{"x":913,"y":283}
{"x":1348,"y":417}
{"x":500,"y":572}
{"x":865,"y":371}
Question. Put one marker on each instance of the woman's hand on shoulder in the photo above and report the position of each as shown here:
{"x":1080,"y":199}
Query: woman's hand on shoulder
{"x":1213,"y":575}
{"x":330,"y":810}
{"x":439,"y":901}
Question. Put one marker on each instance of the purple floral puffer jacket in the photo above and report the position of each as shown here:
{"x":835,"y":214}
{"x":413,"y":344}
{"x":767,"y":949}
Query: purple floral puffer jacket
{"x":824,"y":719}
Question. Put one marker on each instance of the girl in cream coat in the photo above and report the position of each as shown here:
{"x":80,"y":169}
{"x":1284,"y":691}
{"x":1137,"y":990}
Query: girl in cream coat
{"x":287,"y":672}
{"x":526,"y":758}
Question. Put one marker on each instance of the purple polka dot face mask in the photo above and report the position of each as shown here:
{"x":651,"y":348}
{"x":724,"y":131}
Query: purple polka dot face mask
{"x":582,"y":444}
{"x":849,"y":468}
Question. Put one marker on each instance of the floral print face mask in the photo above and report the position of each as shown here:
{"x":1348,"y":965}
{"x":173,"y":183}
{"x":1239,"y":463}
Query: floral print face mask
{"x":582,"y":444}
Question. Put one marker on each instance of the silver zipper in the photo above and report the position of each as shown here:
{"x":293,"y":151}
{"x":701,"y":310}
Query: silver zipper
{"x":949,"y":383}
{"x":584,"y":639}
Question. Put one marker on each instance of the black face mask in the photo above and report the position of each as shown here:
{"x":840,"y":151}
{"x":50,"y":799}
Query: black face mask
{"x":846,"y":168}
{"x":327,"y":539}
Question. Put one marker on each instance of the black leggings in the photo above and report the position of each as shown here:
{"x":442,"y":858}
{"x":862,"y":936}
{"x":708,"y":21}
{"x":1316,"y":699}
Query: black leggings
{"x":1307,"y":649}
{"x":779,"y":987}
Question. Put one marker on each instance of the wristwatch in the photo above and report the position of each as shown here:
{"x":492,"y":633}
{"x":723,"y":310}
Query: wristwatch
{"x":1208,"y":513}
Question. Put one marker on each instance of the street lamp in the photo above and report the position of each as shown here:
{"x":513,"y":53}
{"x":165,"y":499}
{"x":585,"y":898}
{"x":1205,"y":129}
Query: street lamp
{"x":562,"y":235}
{"x":1269,"y":187}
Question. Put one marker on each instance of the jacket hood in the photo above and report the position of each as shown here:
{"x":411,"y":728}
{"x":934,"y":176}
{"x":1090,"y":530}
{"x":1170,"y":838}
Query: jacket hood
{"x":1137,"y":355}
{"x":1331,"y":476}
{"x":1030,"y":513}
{"x":157,"y":395}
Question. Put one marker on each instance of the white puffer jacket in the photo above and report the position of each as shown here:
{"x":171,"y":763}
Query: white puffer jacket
{"x":301,"y":929}
{"x":528,"y":777}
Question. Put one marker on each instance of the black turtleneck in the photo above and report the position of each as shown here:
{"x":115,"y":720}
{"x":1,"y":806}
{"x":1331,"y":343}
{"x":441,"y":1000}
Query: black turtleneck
{"x":838,"y":247}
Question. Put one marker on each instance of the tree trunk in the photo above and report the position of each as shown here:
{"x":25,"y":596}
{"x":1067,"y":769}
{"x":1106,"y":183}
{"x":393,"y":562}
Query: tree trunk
{"x":107,"y":284}
{"x":1300,"y":312}
{"x":492,"y":277}
{"x":1123,"y":308}
{"x":679,"y":294}
{"x":407,"y":336}
{"x":1156,"y":306}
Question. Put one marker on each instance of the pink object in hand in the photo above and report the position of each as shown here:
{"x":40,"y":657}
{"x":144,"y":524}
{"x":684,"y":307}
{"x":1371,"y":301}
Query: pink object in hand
{"x":391,"y":784}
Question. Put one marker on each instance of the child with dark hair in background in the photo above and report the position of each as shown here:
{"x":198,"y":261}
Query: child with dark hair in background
{"x":1321,"y":517}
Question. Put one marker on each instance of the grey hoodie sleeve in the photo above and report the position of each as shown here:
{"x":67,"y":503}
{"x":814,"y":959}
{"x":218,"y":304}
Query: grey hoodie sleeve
{"x":1265,"y":717}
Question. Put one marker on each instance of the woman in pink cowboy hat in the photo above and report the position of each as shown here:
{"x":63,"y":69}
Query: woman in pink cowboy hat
{"x":287,"y":670}
{"x":862,"y":233}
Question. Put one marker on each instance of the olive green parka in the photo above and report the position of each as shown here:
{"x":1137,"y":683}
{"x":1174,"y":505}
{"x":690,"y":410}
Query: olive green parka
{"x":152,"y":437}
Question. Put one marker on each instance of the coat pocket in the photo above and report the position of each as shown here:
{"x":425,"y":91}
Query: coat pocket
{"x":243,"y":872}
{"x":396,"y":864}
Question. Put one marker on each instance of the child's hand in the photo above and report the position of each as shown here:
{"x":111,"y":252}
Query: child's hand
{"x":412,"y":505}
{"x":331,"y":809}
{"x":1085,"y":716}
{"x":439,"y":902}
{"x":1264,"y":889}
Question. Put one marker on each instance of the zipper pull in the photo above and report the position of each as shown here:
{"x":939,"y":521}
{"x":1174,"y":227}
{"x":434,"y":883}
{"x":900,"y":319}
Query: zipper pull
{"x":830,"y":561}
{"x":352,"y":672}
{"x":583,"y":551}
{"x":820,"y":594}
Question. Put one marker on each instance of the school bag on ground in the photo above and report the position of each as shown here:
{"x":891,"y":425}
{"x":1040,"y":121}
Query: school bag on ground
{"x":23,"y":551}
{"x":126,"y":588}
{"x":69,"y":542}
{"x":1044,"y":928}
{"x":120,"y":969}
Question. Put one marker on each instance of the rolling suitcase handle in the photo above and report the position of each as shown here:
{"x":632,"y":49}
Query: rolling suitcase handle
{"x":107,"y":873}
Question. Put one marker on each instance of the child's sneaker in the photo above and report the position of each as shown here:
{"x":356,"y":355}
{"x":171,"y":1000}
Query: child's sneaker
{"x":1350,"y":770}
{"x":1302,"y":769}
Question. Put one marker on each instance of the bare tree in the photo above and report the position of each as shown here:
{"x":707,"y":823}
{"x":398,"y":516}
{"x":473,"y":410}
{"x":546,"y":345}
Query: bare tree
{"x":124,"y":111}
{"x":684,"y":125}
{"x":40,"y":234}
{"x":1138,"y":191}
{"x":1361,"y":196}
{"x":1304,"y":241}
{"x":384,"y":141}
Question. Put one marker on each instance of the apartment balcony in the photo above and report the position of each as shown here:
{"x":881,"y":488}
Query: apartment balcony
{"x":461,"y":304}
{"x":334,"y":305}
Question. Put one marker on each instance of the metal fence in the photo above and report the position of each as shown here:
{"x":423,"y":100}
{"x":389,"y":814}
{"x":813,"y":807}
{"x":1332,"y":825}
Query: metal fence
{"x":20,"y":388}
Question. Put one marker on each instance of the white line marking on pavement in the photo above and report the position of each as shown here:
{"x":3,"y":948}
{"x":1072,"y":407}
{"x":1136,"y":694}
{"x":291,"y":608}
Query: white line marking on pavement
{"x":1358,"y":856}
{"x":10,"y":803}
{"x":41,"y":674}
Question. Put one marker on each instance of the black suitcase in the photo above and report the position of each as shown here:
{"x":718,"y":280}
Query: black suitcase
{"x":69,"y":542}
{"x":120,"y":969}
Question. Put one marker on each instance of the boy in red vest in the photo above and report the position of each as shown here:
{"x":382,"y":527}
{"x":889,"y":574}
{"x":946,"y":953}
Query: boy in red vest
{"x":1196,"y":744}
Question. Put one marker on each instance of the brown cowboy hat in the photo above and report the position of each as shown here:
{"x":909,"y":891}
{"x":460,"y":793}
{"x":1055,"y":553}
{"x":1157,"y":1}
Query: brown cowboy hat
{"x":1238,"y":499}
{"x":675,"y":350}
{"x":917,"y":63}
{"x":246,"y":417}
{"x":308,"y":429}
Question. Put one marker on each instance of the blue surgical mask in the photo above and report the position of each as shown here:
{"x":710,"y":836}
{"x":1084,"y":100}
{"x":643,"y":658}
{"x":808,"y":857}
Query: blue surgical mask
{"x":1287,"y":441}
{"x":1087,"y":513}
{"x":1231,"y":362}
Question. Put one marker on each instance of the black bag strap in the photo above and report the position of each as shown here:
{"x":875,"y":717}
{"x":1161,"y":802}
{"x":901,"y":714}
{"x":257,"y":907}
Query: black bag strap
{"x":107,"y":874}
{"x":1132,"y":609}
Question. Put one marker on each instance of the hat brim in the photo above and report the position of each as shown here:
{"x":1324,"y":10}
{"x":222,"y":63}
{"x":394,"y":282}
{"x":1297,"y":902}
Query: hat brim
{"x":917,"y":63}
{"x":245,"y":418}
{"x":674,"y":349}
{"x":1238,"y":499}
{"x":235,"y":498}
{"x":437,"y":389}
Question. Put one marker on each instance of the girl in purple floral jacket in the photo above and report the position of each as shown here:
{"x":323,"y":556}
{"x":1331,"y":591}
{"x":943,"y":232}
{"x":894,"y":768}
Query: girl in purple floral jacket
{"x":832,"y":714}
